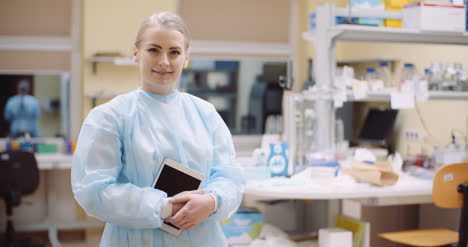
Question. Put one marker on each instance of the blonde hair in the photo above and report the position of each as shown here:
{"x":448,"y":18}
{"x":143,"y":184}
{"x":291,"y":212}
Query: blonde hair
{"x":166,"y":19}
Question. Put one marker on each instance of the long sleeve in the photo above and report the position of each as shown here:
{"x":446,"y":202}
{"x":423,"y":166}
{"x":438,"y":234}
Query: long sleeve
{"x":8,"y":113}
{"x":226,"y":180}
{"x":37,"y":109}
{"x":96,"y":185}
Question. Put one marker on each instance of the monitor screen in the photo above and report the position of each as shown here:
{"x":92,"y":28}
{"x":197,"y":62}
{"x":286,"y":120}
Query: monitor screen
{"x":378,"y":124}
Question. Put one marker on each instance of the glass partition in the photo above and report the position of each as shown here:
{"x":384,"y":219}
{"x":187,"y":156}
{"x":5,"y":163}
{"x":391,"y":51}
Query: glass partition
{"x":244,"y":92}
{"x":35,"y":103}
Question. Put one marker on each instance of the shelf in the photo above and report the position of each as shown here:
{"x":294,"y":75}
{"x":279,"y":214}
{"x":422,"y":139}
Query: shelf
{"x":368,"y":13}
{"x":211,"y":93}
{"x":13,"y":43}
{"x":433,"y":95}
{"x":369,"y":60}
{"x":395,"y":35}
{"x":119,"y":61}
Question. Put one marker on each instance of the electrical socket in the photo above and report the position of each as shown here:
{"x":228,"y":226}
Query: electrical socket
{"x":414,"y":135}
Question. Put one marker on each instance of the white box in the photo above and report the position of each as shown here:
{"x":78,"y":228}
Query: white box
{"x":434,"y":16}
{"x":334,"y":237}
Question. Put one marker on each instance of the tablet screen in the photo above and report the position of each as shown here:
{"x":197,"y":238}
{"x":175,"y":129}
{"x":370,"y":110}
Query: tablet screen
{"x":173,"y":181}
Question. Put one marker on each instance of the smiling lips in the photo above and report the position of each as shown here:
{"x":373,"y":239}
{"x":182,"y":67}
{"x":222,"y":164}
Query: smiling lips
{"x":162,"y":72}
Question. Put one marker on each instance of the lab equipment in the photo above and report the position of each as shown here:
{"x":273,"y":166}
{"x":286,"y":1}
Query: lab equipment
{"x":318,"y":104}
{"x":377,"y":126}
{"x":373,"y":79}
{"x":384,"y":74}
{"x":19,"y":176}
{"x":371,"y":74}
{"x":434,"y":16}
{"x":408,"y":73}
{"x":115,"y":166}
{"x":436,"y":78}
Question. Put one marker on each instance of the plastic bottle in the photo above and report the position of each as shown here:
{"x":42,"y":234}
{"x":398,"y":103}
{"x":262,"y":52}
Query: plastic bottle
{"x":437,"y":74}
{"x":384,"y":74}
{"x":432,"y":82}
{"x":371,"y":75}
{"x":408,"y":72}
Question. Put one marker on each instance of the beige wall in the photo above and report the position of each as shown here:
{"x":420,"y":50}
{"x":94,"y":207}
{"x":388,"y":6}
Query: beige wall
{"x":35,"y":18}
{"x":111,"y":26}
{"x":241,"y":20}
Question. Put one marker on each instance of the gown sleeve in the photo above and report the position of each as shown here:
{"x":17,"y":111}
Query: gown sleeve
{"x":226,"y":180}
{"x":97,"y":164}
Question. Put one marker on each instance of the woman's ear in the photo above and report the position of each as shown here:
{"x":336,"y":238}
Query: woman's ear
{"x":187,"y":56}
{"x":135,"y":55}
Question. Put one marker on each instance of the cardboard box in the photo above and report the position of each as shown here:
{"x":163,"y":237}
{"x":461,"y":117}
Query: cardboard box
{"x":370,"y":5}
{"x":334,"y":237}
{"x":243,"y":227}
{"x":434,"y":16}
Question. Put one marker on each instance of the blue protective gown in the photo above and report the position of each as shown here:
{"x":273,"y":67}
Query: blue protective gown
{"x":23,"y":111}
{"x":120,"y":149}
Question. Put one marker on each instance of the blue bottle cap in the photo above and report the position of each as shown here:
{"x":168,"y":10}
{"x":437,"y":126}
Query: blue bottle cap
{"x":370,"y":70}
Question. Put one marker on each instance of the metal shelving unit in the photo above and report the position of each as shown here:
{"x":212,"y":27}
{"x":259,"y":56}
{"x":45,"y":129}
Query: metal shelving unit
{"x":433,"y":95}
{"x":347,"y":32}
{"x":327,"y":34}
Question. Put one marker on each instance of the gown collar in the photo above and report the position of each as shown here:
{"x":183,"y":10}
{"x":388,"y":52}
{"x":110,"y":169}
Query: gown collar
{"x":163,"y":98}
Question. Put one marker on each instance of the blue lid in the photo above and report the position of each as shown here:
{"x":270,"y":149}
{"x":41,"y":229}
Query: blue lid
{"x":383,"y":64}
{"x":370,"y":70}
{"x":408,"y":65}
{"x":427,"y":71}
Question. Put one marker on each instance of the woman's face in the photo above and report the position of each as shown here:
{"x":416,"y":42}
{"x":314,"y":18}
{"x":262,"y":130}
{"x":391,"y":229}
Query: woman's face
{"x":161,"y":57}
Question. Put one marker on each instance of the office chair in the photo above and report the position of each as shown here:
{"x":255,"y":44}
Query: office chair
{"x":19,"y":175}
{"x":449,"y":190}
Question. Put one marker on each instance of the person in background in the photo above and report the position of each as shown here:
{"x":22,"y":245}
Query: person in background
{"x":23,"y":112}
{"x":123,"y":142}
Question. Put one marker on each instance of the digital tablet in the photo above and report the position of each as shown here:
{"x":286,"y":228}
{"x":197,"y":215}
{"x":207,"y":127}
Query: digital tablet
{"x":174,"y":178}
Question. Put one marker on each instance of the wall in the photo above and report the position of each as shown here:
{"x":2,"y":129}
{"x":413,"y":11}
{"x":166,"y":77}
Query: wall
{"x":111,"y":26}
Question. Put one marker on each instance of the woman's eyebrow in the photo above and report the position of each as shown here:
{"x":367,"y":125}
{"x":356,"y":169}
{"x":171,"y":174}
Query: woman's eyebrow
{"x":155,"y":45}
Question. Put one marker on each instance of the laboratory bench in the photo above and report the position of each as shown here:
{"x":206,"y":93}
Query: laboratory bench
{"x":60,"y":211}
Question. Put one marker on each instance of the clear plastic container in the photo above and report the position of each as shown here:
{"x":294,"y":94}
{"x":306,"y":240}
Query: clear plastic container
{"x":371,"y":75}
{"x":408,"y":72}
{"x":384,"y":74}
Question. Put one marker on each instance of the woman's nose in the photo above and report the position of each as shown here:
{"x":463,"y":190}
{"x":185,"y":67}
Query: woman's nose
{"x":164,"y":61}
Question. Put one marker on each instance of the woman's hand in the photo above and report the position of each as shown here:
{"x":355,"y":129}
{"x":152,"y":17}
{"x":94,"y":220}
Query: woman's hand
{"x":196,"y":209}
{"x":177,"y":206}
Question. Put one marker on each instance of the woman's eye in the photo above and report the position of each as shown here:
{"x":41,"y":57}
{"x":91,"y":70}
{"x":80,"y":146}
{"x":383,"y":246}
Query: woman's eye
{"x":152,"y":50}
{"x":175,"y":52}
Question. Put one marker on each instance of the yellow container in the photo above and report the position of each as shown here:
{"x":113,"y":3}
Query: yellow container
{"x":394,"y":5}
{"x":15,"y":145}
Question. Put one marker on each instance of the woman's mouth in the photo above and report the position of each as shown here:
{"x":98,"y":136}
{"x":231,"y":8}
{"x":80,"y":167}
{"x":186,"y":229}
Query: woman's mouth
{"x":163,"y":73}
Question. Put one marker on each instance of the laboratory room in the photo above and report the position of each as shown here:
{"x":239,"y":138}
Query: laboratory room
{"x":267,"y":123}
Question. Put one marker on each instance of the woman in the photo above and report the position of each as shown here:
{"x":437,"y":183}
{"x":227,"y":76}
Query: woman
{"x":123,"y":142}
